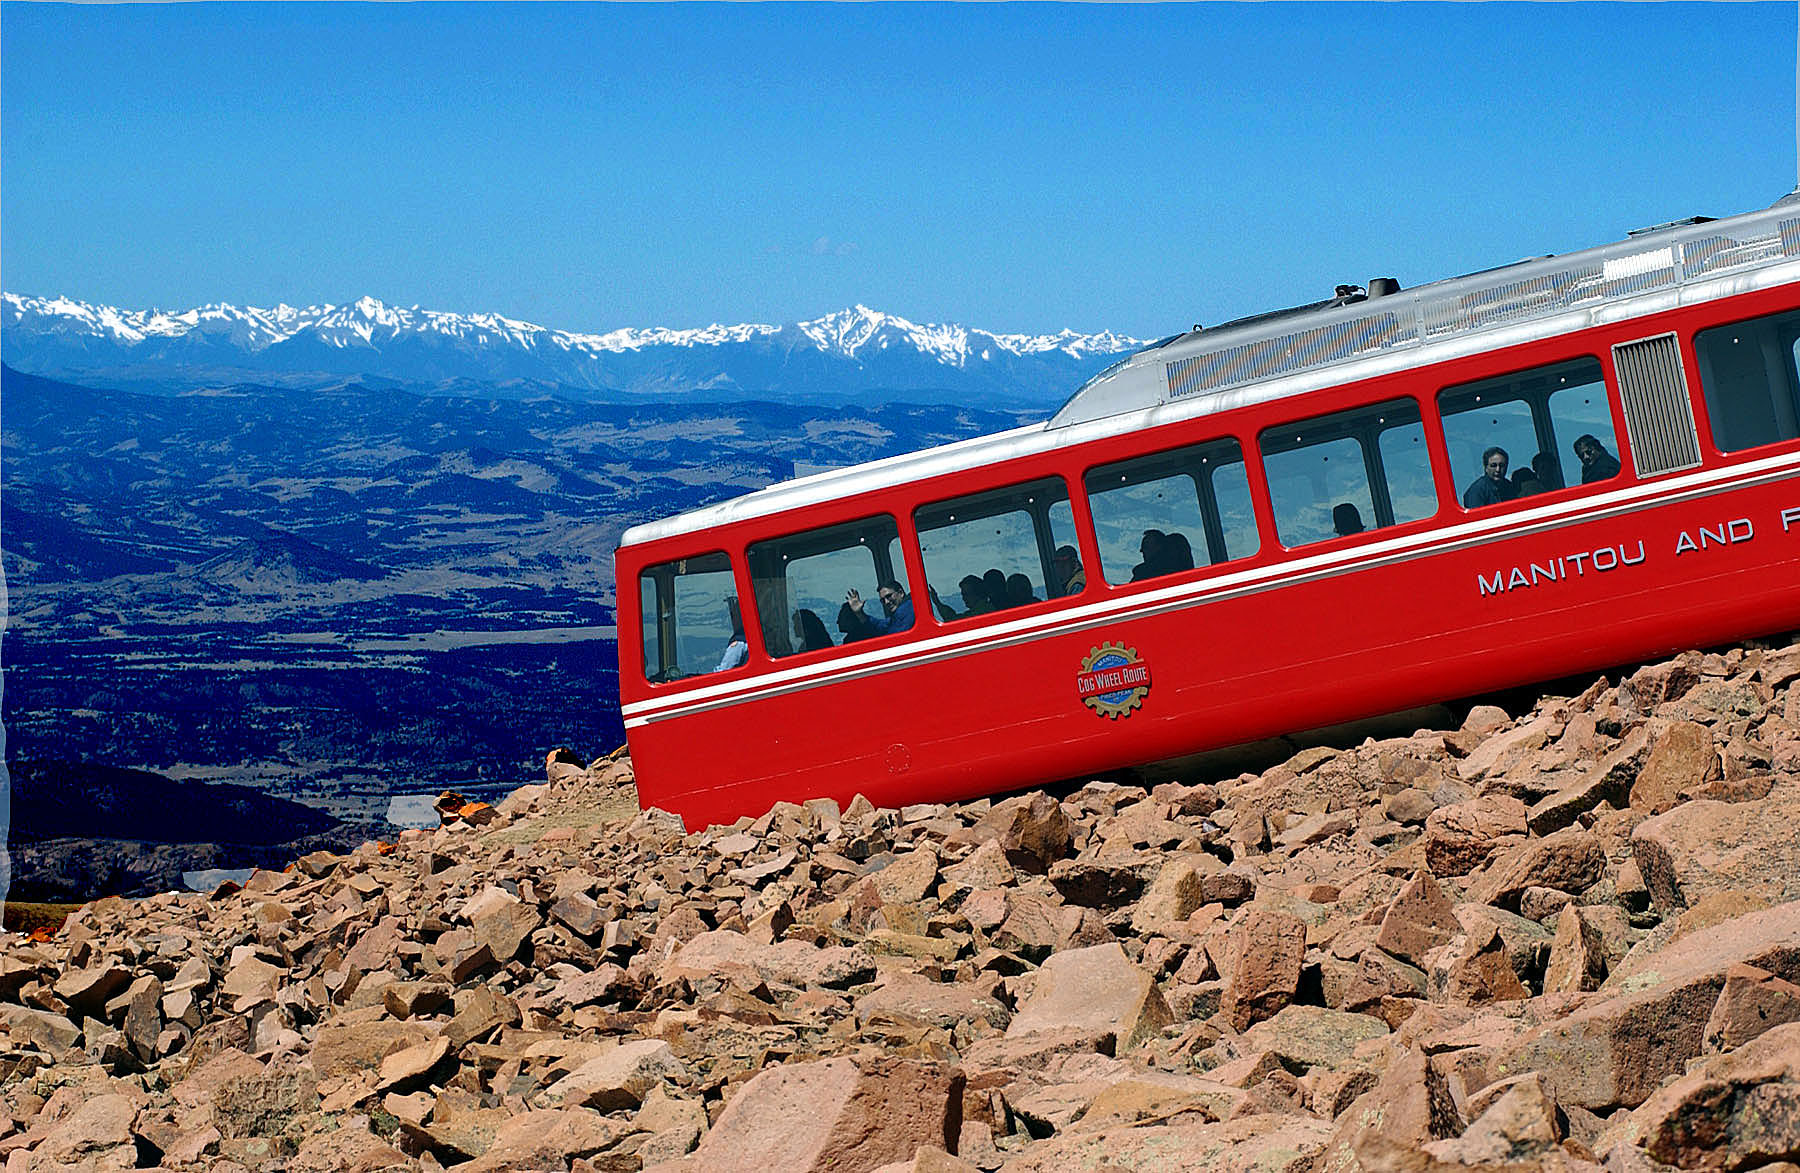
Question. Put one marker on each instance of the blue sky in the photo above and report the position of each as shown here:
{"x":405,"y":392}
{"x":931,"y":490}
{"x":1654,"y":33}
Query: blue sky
{"x":1019,"y":167}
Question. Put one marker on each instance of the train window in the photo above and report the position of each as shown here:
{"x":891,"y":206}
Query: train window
{"x":1747,"y":371}
{"x":1165,"y":513}
{"x":1346,"y":473}
{"x":804,"y":586}
{"x":1529,"y":433}
{"x":692,"y":622}
{"x":995,"y":550}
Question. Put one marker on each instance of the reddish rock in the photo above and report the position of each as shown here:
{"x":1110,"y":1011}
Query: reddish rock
{"x":835,"y":1114}
{"x":1668,"y":680}
{"x":1682,"y":756}
{"x":546,"y":1139}
{"x":1419,"y":919}
{"x":1372,"y":978}
{"x":1408,"y":1108}
{"x":1521,"y":1123}
{"x":985,"y":868}
{"x":1474,"y":969}
{"x":1033,"y":830}
{"x":908,"y":998}
{"x":1410,"y":806}
{"x":1609,"y":780}
{"x":930,"y":1160}
{"x":1578,"y":960}
{"x":1734,"y":1111}
{"x":478,"y":1013}
{"x":619,"y":1078}
{"x":1255,"y":1144}
{"x":1617,"y":1050}
{"x":1751,"y":1002}
{"x":408,"y":1068}
{"x":1096,"y":989}
{"x":1458,"y":837}
{"x":1262,"y":974}
{"x":412,"y":999}
{"x":96,"y":1135}
{"x":347,"y":1048}
{"x":1704,"y":847}
{"x":1106,"y":881}
{"x":1177,"y":891}
{"x":87,"y":990}
{"x":1500,"y":750}
{"x":1312,"y":1036}
{"x":504,"y":930}
{"x":908,"y":878}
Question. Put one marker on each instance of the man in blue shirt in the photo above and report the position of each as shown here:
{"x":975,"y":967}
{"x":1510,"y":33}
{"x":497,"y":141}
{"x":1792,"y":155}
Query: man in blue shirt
{"x":896,"y":605}
{"x":1492,"y":488}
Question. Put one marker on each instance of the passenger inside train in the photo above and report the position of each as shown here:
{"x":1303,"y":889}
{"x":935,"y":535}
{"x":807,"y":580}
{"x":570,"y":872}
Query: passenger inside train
{"x":974,"y":596}
{"x":1547,"y":470}
{"x":1597,"y":464}
{"x":1163,"y":553}
{"x":809,"y":631}
{"x":896,"y":607}
{"x":1491,"y":487}
{"x":994,"y":583}
{"x":1071,"y":576}
{"x":737,"y":648}
{"x":1346,"y":519}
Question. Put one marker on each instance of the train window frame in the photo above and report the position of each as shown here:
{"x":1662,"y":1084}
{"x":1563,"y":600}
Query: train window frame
{"x":1531,"y":388}
{"x":1037,"y":499}
{"x":883,"y":545}
{"x":661,"y":614}
{"x":1200,"y":463}
{"x":1371,"y":420}
{"x":1781,"y":330}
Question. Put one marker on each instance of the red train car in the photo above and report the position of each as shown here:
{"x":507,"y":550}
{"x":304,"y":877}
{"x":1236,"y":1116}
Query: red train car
{"x":1315,"y":516}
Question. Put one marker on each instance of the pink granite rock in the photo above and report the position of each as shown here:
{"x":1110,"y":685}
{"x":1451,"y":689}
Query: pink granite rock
{"x":837,"y":1114}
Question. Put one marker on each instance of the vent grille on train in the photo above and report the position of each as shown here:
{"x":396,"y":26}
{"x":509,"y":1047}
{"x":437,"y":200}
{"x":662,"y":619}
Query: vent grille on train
{"x":1659,"y":416}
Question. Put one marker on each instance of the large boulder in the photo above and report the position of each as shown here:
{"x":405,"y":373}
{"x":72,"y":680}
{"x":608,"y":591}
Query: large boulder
{"x":1616,"y":1051}
{"x":1253,"y":1144}
{"x":1096,"y":989}
{"x":1264,"y":954}
{"x":1739,"y":1110}
{"x":842,"y":1115}
{"x":1705,"y":846}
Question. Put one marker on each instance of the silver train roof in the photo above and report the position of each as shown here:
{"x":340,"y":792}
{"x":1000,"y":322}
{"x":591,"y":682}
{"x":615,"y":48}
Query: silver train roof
{"x":1288,"y":353}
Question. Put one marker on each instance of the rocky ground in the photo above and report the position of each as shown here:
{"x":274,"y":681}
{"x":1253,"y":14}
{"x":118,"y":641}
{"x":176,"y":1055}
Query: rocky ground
{"x":1567,"y":939}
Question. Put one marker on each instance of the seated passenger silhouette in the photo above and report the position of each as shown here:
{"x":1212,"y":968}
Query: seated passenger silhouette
{"x":1071,"y":576}
{"x":1492,"y":487}
{"x":809,"y":631}
{"x":1346,"y":519}
{"x":1525,"y":483}
{"x":974,"y":596}
{"x":1547,"y":471}
{"x":1018,"y":591}
{"x":1177,"y":554}
{"x":994,"y":582}
{"x":1150,"y":548}
{"x":1597,"y":464}
{"x":944,"y":610}
{"x":850,"y":621}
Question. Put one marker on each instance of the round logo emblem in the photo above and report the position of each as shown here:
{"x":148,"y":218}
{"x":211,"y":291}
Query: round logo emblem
{"x":1113,"y":680}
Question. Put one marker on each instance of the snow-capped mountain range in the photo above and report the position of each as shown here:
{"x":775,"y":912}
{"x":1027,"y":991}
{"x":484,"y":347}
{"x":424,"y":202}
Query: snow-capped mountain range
{"x":847,"y":353}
